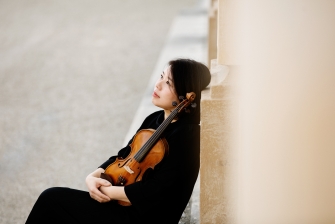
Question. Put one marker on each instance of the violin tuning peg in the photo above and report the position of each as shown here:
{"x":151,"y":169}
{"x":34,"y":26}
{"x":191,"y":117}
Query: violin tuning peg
{"x":193,"y":105}
{"x":174,"y":103}
{"x":181,"y":97}
{"x":187,"y":110}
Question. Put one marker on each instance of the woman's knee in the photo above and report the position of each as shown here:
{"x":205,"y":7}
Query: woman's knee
{"x":53,"y":192}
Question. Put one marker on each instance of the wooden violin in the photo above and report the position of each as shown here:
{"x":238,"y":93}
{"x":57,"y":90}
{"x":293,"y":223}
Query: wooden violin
{"x":147,"y":150}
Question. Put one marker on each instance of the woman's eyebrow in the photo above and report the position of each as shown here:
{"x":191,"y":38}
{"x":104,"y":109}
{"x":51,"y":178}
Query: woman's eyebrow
{"x":170,"y":79}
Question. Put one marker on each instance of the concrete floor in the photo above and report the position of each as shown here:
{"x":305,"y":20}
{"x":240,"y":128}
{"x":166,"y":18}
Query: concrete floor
{"x":72,"y":74}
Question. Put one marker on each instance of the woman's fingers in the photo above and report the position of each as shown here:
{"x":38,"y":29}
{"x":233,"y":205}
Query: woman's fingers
{"x":93,"y":184}
{"x":100,"y":197}
{"x":101,"y":200}
{"x":103,"y":182}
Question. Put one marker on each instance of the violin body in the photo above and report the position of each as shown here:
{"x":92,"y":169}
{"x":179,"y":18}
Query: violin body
{"x":123,"y":172}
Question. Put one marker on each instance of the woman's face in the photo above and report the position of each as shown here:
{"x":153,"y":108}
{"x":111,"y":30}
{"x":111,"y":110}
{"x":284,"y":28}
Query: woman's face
{"x":164,"y":92}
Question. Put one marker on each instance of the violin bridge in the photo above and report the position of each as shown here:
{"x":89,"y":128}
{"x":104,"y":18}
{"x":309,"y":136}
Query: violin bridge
{"x":128,"y":169}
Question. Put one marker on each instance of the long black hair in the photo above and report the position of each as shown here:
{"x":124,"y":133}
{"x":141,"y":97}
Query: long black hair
{"x":190,"y":76}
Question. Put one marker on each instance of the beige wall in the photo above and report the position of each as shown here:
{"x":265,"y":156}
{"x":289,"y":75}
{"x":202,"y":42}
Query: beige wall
{"x":215,"y":119}
{"x":279,"y":158}
{"x":212,"y":31}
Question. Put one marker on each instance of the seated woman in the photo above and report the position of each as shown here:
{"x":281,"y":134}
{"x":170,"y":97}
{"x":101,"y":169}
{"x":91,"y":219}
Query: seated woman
{"x":163,"y":194}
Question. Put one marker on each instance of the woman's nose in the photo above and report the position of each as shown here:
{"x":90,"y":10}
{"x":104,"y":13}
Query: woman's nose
{"x":158,"y":84}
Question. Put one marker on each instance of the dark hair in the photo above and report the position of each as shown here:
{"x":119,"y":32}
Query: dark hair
{"x":190,"y":76}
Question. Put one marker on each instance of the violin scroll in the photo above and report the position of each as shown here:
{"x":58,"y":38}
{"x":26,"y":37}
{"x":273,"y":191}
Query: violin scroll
{"x":186,"y":102}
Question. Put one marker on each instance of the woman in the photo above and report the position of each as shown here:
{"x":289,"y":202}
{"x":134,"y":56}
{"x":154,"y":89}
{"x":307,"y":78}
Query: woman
{"x":163,"y":195}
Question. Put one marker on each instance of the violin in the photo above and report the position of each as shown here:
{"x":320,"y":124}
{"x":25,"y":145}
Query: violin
{"x":147,"y":150}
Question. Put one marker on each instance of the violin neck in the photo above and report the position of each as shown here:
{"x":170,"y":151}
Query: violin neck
{"x":155,"y":136}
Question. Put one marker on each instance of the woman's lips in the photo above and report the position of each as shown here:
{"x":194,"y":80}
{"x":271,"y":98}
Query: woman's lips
{"x":154,"y":94}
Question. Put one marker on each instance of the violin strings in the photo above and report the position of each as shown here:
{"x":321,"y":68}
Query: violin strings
{"x":151,"y":141}
{"x":148,"y":145}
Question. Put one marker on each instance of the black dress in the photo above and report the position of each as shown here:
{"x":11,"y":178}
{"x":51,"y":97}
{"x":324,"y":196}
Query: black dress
{"x":160,"y":198}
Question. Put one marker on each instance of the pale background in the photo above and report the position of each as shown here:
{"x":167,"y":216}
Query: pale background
{"x":72,"y":74}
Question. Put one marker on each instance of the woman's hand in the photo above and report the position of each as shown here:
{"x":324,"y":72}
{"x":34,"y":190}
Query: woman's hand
{"x":94,"y":182}
{"x":115,"y":192}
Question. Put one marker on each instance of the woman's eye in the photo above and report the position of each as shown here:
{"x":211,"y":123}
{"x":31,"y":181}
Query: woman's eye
{"x":161,"y":76}
{"x":168,"y":82}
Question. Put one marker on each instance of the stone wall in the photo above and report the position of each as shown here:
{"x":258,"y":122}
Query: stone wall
{"x":215,"y":125}
{"x":268,"y":125}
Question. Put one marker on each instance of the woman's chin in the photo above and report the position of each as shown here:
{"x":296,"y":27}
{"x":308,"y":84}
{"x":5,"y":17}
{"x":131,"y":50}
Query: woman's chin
{"x":153,"y":101}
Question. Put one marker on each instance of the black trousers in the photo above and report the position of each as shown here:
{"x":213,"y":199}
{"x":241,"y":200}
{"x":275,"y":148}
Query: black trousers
{"x":65,"y":205}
